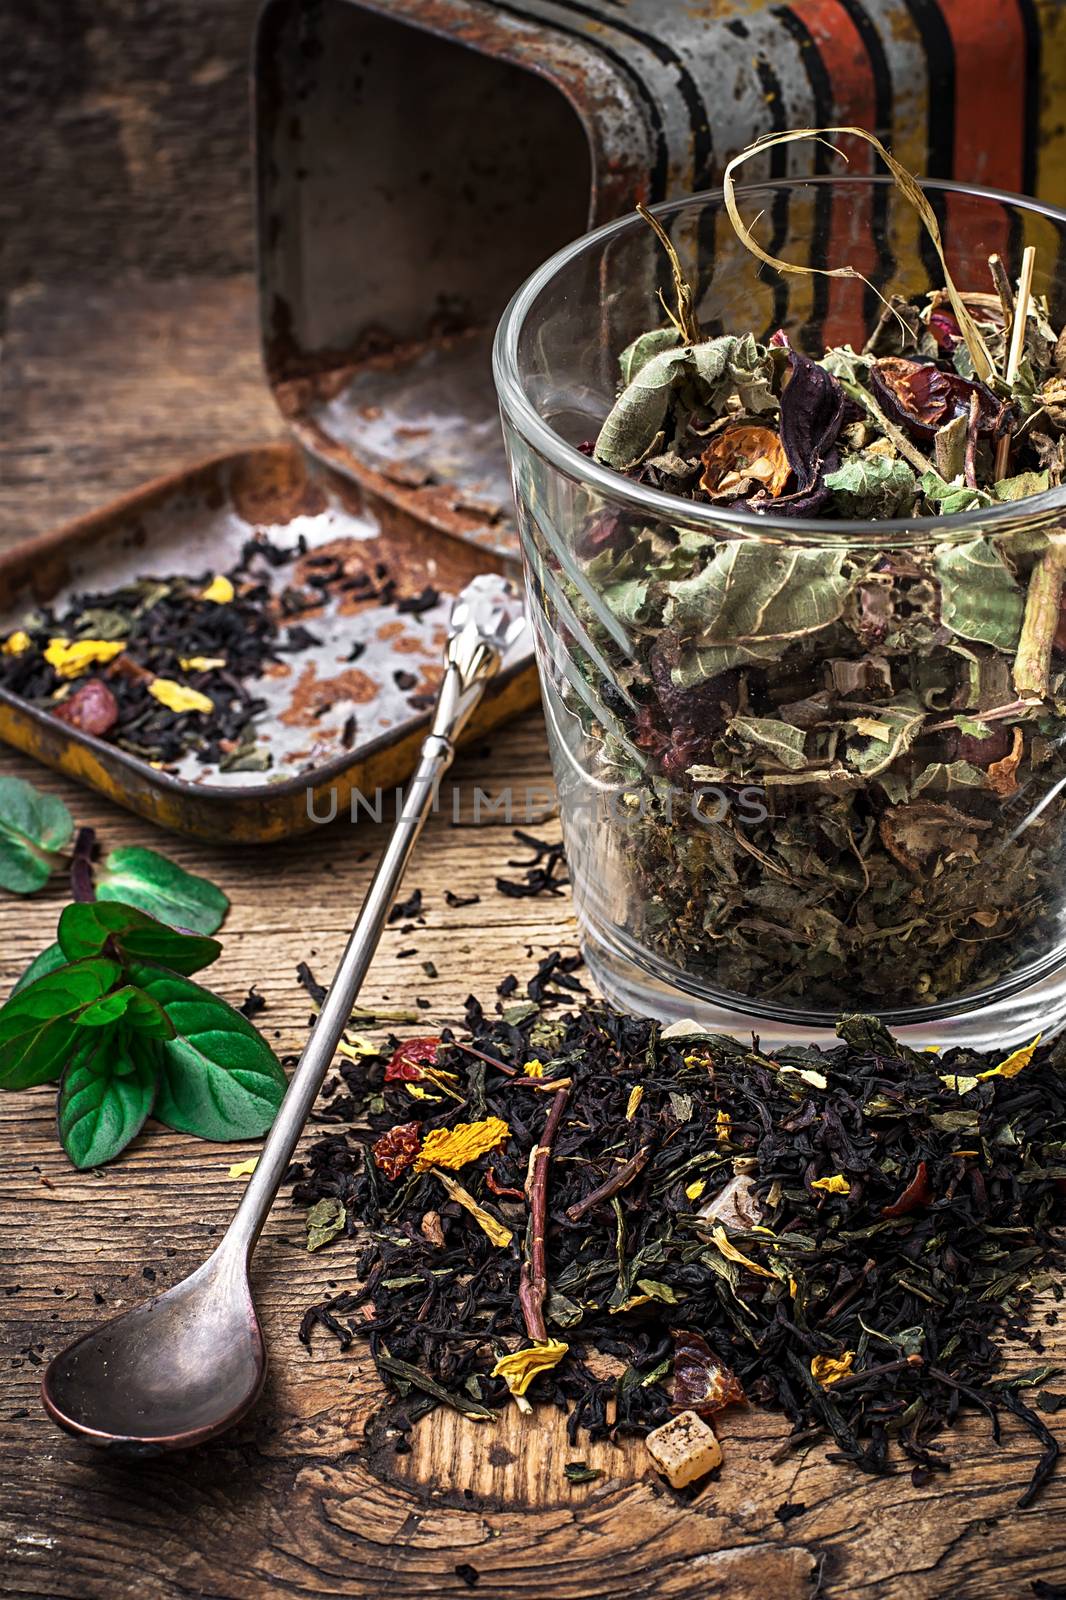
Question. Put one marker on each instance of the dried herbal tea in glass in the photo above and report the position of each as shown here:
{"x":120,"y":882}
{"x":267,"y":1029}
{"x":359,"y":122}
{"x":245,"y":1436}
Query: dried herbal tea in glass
{"x":840,"y":1235}
{"x":834,"y":760}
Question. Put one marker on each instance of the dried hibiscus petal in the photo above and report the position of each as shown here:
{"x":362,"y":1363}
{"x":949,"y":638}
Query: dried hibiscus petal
{"x":701,"y":1383}
{"x":813,"y":406}
{"x":921,"y":397}
{"x":812,"y":410}
{"x":944,"y":327}
{"x":396,"y":1150}
{"x":410,"y":1060}
{"x":741,"y":459}
{"x":92,"y":708}
{"x":919,"y":1192}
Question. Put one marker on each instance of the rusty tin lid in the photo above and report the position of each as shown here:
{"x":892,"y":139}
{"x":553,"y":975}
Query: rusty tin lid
{"x":417,"y":159}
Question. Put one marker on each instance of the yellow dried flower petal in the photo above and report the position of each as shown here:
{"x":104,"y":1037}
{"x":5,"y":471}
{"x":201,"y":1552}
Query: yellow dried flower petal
{"x":828,"y":1370}
{"x":723,"y":1127}
{"x":417,"y":1092}
{"x":793,"y":1288}
{"x":636,"y":1095}
{"x":354,"y":1045}
{"x":522,"y":1366}
{"x":17,"y":643}
{"x":694,"y":1190}
{"x":1011,"y":1065}
{"x":837,"y":1184}
{"x":176,"y":697}
{"x":500,"y":1235}
{"x":70,"y":660}
{"x":201,"y":663}
{"x":731,"y":1253}
{"x":454,"y":1147}
{"x":219,"y":590}
{"x":960,"y":1082}
{"x":534,"y":1068}
{"x":244,"y":1169}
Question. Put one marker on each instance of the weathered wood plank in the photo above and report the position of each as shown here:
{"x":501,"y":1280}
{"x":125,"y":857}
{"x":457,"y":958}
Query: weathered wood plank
{"x":105,"y":388}
{"x":128,"y":139}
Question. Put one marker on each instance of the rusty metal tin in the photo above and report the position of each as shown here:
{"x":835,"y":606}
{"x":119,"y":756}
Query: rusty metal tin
{"x":418,"y":158}
{"x":199,"y":519}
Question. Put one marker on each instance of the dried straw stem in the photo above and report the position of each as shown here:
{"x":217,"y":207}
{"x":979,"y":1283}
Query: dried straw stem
{"x":1017,"y":346}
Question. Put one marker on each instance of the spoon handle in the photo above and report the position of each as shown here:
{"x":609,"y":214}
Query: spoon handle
{"x":459,"y":695}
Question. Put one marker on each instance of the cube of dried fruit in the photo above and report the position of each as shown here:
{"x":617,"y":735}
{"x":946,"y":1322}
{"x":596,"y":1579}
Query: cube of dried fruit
{"x":684,"y":1449}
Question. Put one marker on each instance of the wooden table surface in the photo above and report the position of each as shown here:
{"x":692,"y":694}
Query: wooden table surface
{"x":297,"y":1501}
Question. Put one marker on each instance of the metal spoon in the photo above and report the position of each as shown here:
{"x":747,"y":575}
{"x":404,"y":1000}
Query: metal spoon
{"x":187,"y":1365}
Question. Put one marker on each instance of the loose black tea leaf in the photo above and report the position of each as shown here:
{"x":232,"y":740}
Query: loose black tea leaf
{"x":837,"y":1234}
{"x":541,"y":874}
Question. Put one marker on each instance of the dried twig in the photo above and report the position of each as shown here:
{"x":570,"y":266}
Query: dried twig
{"x":612,"y":1186}
{"x":970,"y":458}
{"x":533,"y":1285}
{"x":684,"y":318}
{"x":492,"y":1061}
{"x":1032,"y":663}
{"x":1003,"y":289}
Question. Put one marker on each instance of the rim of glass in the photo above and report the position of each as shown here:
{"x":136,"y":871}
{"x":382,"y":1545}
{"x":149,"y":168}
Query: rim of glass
{"x":615,"y":486}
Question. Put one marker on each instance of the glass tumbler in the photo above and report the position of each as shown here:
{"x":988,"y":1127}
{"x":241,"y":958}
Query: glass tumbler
{"x":814,"y":787}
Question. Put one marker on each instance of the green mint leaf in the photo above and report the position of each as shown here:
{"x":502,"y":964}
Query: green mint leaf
{"x":84,"y":930}
{"x":219,"y":1077}
{"x":147,"y":880}
{"x":49,"y":960}
{"x":105,"y":1096}
{"x":131,"y":1005}
{"x":33,"y":827}
{"x":37,"y":1030}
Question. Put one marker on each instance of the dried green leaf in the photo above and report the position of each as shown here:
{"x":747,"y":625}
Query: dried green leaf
{"x":751,"y":600}
{"x":325,"y":1221}
{"x":866,"y":485}
{"x":979,"y":597}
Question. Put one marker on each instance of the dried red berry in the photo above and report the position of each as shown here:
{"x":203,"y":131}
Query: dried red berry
{"x":410,"y":1060}
{"x":701,"y":1383}
{"x":919,"y":1192}
{"x":92,"y":708}
{"x":396,"y":1150}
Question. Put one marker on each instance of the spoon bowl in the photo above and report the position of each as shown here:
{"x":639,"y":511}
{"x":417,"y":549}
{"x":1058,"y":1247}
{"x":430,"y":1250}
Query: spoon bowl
{"x":169,"y":1374}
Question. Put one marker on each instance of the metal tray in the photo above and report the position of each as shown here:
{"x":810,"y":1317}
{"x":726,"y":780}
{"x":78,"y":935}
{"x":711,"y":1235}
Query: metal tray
{"x":198,"y":519}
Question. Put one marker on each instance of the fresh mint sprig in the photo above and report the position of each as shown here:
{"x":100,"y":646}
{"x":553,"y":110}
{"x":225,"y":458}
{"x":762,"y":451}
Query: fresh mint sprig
{"x":110,"y":1011}
{"x":127,"y":1033}
{"x":36,"y":834}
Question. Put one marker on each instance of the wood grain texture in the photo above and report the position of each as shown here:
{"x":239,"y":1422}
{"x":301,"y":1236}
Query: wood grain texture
{"x":106,"y":388}
{"x":310,"y":1497}
{"x":126,"y":139}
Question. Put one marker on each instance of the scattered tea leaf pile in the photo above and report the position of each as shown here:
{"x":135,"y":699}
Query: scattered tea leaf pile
{"x":156,"y":666}
{"x":842,"y":1235}
{"x":161,"y":666}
